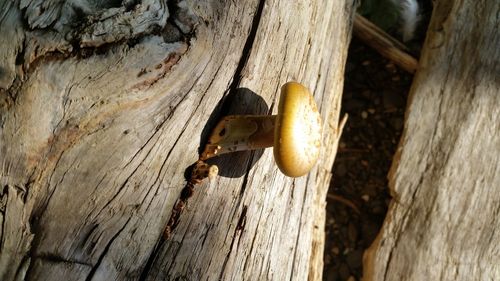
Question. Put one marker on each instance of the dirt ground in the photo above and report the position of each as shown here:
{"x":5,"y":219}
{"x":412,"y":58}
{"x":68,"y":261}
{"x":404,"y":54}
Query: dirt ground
{"x":374,"y":96}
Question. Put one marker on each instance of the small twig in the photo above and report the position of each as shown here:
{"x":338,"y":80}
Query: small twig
{"x":347,"y":202}
{"x":340,"y":127}
{"x":383,"y":43}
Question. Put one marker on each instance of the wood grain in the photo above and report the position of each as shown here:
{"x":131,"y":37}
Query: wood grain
{"x":104,"y":107}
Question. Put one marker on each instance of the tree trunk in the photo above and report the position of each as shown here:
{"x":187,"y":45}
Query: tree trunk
{"x":443,"y":223}
{"x":104,"y":106}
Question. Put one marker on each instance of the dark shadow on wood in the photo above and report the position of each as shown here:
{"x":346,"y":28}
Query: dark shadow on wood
{"x":242,"y":101}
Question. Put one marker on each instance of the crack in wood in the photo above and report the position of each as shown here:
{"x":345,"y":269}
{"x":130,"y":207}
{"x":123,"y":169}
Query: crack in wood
{"x":189,"y":188}
{"x":187,"y":191}
{"x":243,"y":219}
{"x":87,"y":238}
{"x":3,"y":205}
{"x":8,"y":97}
{"x":54,"y":258}
{"x":38,"y":212}
{"x":245,"y":178}
{"x":238,"y":230}
{"x":256,"y":232}
{"x":106,"y":250}
{"x":174,"y":219}
{"x":152,"y":257}
{"x":164,"y":68}
{"x":247,"y":47}
{"x":205,"y":235}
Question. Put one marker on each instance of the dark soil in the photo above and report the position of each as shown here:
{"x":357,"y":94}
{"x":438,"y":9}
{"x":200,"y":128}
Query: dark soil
{"x":375,"y":93}
{"x":374,"y":96}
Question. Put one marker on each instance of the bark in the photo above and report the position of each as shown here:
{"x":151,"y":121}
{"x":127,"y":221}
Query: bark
{"x":443,"y":223}
{"x":104,"y":106}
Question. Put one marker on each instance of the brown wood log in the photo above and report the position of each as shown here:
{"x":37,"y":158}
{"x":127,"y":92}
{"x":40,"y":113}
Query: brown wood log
{"x":104,"y":106}
{"x":443,"y":223}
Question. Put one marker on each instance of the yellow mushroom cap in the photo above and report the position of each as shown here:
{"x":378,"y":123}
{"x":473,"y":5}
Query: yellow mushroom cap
{"x":297,"y":133}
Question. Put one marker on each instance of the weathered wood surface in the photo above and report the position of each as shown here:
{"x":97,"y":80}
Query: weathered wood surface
{"x":444,"y":222}
{"x":103,"y":107}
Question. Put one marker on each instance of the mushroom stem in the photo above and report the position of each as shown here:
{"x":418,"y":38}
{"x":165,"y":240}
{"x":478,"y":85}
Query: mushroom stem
{"x":240,"y":132}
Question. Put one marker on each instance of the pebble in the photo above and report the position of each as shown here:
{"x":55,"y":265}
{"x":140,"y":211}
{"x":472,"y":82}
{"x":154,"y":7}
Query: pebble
{"x":365,"y":197}
{"x":346,"y":251}
{"x":390,"y":66}
{"x":364,"y":114}
{"x":351,"y":278}
{"x":335,"y":251}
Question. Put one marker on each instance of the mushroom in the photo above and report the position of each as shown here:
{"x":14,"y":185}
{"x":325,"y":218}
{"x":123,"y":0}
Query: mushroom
{"x":294,"y":133}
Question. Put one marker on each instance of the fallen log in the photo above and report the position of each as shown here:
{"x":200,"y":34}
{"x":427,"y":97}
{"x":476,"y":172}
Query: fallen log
{"x":443,"y":222}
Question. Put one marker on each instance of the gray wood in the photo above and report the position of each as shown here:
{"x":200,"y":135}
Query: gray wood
{"x":103,"y":105}
{"x":443,"y":223}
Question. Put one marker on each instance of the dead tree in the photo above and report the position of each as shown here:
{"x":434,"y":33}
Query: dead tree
{"x":443,"y":223}
{"x":104,"y":106}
